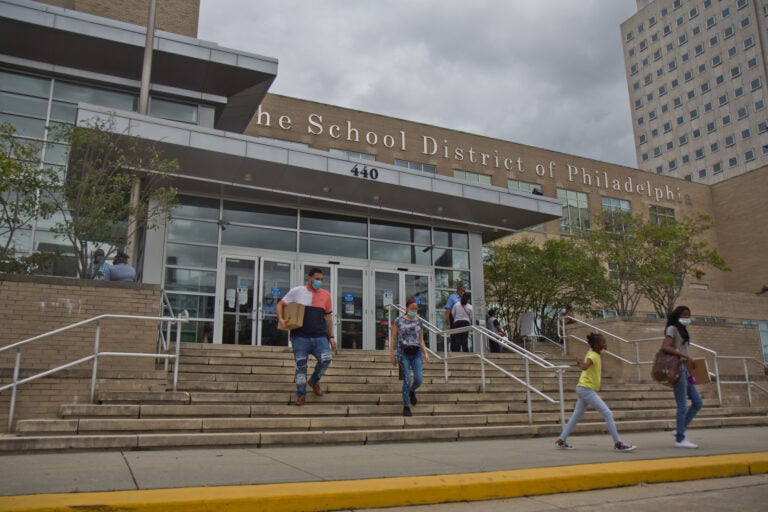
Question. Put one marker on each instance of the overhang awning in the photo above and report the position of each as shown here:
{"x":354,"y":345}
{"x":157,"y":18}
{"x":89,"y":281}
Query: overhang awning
{"x":257,"y":170}
{"x":70,"y":40}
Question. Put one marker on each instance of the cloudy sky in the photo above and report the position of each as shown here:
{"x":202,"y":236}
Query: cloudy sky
{"x":547,"y":73}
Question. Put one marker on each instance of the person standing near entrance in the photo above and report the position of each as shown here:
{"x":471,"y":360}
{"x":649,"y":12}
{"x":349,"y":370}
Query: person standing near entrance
{"x":453,"y":299}
{"x":120,"y":270}
{"x":407,"y":349}
{"x":462,"y":317}
{"x":315,"y":336}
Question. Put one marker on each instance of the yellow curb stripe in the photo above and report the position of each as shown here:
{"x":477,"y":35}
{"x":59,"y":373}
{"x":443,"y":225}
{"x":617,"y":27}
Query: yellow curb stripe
{"x":400,"y":491}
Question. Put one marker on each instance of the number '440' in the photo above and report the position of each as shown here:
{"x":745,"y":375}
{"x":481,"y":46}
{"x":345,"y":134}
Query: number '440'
{"x":365,"y":172}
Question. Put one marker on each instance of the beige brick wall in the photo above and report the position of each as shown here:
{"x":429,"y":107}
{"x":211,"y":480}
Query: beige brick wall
{"x":177,"y":16}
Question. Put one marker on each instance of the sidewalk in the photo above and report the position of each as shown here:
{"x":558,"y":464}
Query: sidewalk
{"x":338,"y":477}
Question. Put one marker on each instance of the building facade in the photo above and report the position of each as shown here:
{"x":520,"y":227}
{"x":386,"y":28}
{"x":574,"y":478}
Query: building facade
{"x":696,"y":73}
{"x":271,"y":186}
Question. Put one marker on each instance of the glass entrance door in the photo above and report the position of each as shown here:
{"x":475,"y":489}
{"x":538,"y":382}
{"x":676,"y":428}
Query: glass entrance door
{"x":397,"y":288}
{"x":237,"y":309}
{"x":274,"y":284}
{"x":348,"y":306}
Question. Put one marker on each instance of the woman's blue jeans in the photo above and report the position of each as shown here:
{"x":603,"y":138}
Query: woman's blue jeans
{"x":684,"y":390}
{"x":302,"y":348}
{"x":588,"y":396}
{"x":415,"y":363}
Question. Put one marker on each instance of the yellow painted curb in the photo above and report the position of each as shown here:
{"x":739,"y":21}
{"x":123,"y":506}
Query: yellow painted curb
{"x":401,"y":491}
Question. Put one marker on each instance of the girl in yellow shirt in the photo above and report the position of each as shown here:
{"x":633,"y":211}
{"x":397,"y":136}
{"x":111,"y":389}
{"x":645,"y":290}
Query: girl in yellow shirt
{"x":586,"y":390}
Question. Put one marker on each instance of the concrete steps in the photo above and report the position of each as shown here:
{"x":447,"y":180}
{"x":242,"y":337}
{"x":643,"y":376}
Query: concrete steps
{"x":244,"y":396}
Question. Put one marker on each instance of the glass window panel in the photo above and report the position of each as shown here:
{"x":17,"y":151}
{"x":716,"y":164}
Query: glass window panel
{"x":257,"y":214}
{"x":457,"y":239}
{"x":183,"y":230}
{"x":26,"y":126}
{"x":165,"y":109}
{"x":24,"y":84}
{"x":334,"y":246}
{"x":190,"y":255}
{"x":262,"y":238}
{"x":198,"y":306}
{"x":401,"y":253}
{"x":47,"y":241}
{"x":81,"y":93}
{"x":190,"y":280}
{"x":448,"y":279}
{"x":450,"y":258}
{"x":400,"y":232}
{"x":22,"y":240}
{"x":66,"y":112}
{"x":56,"y":153}
{"x":329,"y":223}
{"x":26,"y":105}
{"x":197,"y":207}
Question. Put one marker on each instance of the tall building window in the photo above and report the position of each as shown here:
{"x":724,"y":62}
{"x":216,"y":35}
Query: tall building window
{"x":472,"y":176}
{"x":575,"y":219}
{"x":417,"y":166}
{"x":352,"y":154}
{"x":659,"y":214}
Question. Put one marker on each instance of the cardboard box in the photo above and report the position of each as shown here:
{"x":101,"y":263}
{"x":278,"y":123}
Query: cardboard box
{"x":701,"y":373}
{"x":293,"y":314}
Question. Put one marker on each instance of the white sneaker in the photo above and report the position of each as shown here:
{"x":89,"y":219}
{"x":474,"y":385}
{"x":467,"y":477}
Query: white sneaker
{"x":685,"y":443}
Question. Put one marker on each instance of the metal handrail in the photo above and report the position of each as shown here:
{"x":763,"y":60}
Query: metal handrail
{"x":163,"y":340}
{"x":527,"y":356}
{"x":183,"y":317}
{"x":638,"y":363}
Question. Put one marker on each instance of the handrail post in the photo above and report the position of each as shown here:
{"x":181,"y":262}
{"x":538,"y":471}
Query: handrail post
{"x":528,"y":391}
{"x":95,"y":360}
{"x":12,"y":408}
{"x":717,"y":377}
{"x":560,"y":372}
{"x":482,"y":362}
{"x":637,"y":361}
{"x":445,"y":356}
{"x":746,"y":381}
{"x":182,"y":318}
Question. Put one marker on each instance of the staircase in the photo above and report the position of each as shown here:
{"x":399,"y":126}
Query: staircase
{"x":244,"y":396}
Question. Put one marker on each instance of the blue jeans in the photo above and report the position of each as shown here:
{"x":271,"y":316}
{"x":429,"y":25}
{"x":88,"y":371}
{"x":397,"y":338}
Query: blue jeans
{"x":588,"y":396}
{"x":302,"y":348}
{"x":415,"y":363}
{"x":683,"y":391}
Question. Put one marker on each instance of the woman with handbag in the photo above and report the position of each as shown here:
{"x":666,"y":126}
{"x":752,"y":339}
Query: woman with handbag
{"x":462,"y":317}
{"x":676,"y":341}
{"x":407,"y":349}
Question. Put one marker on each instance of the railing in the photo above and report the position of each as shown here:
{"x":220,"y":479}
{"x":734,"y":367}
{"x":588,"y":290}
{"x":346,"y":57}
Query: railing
{"x":15,"y":381}
{"x":164,"y":336}
{"x":638,"y":364}
{"x":484,"y":333}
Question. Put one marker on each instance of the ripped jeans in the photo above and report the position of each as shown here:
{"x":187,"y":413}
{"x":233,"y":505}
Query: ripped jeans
{"x":302,"y":348}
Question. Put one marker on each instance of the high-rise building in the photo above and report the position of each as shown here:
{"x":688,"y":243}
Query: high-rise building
{"x":696,"y":72}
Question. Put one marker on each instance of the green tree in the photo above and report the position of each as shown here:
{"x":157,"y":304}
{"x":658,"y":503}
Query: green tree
{"x":22,"y":177}
{"x":675,"y":251}
{"x":620,"y":245}
{"x":522,"y":276}
{"x":115,"y":187}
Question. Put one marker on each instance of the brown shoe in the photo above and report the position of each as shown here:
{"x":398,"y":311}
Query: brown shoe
{"x":316,"y":388}
{"x":300,"y":400}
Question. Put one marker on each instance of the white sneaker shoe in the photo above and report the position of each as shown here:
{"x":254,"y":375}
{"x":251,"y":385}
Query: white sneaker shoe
{"x":685,"y":443}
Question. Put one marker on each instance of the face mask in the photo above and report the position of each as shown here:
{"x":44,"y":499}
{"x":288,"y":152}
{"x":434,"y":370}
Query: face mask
{"x":412,"y":314}
{"x":317,"y":284}
{"x":685,"y":321}
{"x":562,"y":311}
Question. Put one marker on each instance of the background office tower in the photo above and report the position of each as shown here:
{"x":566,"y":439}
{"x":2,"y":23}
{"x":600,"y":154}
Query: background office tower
{"x":696,"y":72}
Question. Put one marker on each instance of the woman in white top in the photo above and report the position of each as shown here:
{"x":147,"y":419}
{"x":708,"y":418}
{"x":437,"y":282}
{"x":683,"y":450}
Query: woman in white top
{"x":462,"y":317}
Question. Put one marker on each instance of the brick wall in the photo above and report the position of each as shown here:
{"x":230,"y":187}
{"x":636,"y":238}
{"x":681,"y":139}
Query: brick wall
{"x":31,"y":305}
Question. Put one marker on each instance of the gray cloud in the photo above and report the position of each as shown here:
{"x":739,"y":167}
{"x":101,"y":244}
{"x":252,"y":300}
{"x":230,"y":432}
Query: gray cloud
{"x":547,"y":73}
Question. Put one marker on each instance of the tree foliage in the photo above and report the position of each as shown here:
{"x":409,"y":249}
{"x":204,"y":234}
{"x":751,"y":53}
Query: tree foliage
{"x":522,"y":276}
{"x":21,"y":179}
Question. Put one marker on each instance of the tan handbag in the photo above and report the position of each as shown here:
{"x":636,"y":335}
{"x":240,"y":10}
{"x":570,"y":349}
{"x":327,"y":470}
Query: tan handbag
{"x":293,"y":316}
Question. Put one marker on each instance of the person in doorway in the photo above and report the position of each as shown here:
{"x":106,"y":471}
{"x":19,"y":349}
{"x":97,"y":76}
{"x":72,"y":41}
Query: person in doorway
{"x":99,"y":265}
{"x":453,"y":299}
{"x":587,"y":391}
{"x":676,"y":341}
{"x":120,"y":270}
{"x":462,"y":317}
{"x":492,"y":324}
{"x":407,"y":349}
{"x":315,"y":336}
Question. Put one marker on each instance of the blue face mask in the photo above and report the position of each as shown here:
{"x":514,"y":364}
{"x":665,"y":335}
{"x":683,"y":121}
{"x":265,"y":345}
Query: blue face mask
{"x":412,"y":314}
{"x":317,"y":284}
{"x":685,"y":321}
